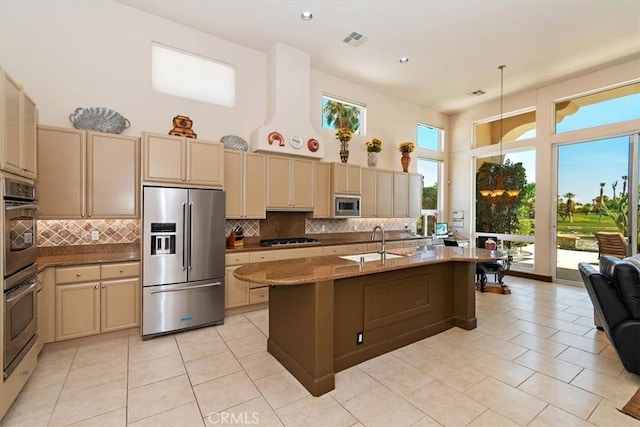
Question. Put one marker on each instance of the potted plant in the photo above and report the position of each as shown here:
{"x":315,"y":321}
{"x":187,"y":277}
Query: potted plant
{"x":344,"y":136}
{"x":405,"y":148}
{"x":373,"y":146}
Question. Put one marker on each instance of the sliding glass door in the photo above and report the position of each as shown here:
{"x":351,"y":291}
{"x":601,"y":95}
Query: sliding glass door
{"x":595,"y":194}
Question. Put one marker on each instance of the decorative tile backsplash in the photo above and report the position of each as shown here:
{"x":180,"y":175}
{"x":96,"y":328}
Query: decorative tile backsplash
{"x":78,"y":232}
{"x":350,"y":225}
{"x":251,"y":226}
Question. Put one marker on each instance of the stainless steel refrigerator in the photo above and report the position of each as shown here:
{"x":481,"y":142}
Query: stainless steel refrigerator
{"x":183,"y":259}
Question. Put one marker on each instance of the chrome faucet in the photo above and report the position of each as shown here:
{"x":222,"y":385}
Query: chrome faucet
{"x":383,"y":248}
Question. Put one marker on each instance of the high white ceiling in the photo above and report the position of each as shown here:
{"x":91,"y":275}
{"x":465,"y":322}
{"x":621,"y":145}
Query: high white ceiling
{"x":454,"y":46}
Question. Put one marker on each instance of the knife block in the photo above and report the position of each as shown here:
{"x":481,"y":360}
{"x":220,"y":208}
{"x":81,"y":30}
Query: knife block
{"x":235,"y":240}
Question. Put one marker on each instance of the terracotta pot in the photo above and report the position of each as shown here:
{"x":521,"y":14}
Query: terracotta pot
{"x":405,"y":160}
{"x":372,"y":160}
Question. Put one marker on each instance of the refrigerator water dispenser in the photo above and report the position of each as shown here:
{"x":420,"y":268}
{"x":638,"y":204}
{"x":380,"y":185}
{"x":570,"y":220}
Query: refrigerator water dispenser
{"x":163,"y":238}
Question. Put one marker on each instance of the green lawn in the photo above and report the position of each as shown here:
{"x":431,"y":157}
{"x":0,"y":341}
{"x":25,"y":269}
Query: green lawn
{"x":586,"y":224}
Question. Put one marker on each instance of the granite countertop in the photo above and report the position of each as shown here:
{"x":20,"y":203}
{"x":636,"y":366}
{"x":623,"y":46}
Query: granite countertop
{"x":331,"y":267}
{"x":86,"y":254}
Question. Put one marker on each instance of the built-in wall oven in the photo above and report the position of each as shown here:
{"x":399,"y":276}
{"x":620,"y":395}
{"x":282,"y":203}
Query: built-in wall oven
{"x":20,"y":272}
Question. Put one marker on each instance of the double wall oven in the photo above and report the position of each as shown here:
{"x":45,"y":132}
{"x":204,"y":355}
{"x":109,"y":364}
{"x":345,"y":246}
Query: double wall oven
{"x":20,"y":272}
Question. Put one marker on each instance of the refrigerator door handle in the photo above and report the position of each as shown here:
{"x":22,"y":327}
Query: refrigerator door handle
{"x":190,"y":234}
{"x":186,"y":288}
{"x":184,"y":238}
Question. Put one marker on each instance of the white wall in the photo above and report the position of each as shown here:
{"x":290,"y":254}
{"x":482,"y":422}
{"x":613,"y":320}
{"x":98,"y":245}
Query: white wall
{"x":97,"y":54}
{"x":461,"y":193}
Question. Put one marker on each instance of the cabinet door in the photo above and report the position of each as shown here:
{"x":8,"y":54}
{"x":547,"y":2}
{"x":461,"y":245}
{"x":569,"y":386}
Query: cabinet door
{"x":278,"y":182}
{"x":384,"y":194}
{"x":112,"y":176}
{"x":322,"y":202}
{"x":61,"y":173}
{"x":205,"y":163}
{"x":400,"y":194}
{"x":355,"y":179}
{"x":340,"y":178}
{"x":368,"y":202}
{"x":302,"y":182}
{"x":28,"y":161}
{"x":11,"y":125}
{"x":233,"y":183}
{"x":77,"y":310}
{"x":254,"y":186}
{"x":164,"y":158}
{"x":415,"y":195}
{"x":120,"y":304}
{"x":236,"y":291}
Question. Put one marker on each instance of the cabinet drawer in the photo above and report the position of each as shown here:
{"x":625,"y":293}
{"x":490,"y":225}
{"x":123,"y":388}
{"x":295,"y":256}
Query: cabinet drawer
{"x":409,"y":243}
{"x":357,"y":249}
{"x":77,"y":274}
{"x":393,"y":245}
{"x":261,"y":256}
{"x":18,"y":378}
{"x":281,"y":254}
{"x":334,"y":250}
{"x":236,"y":258}
{"x":116,"y":271}
{"x":259,"y":295}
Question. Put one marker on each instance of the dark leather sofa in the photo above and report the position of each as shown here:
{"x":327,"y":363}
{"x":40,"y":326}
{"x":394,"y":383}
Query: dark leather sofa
{"x":615,"y":293}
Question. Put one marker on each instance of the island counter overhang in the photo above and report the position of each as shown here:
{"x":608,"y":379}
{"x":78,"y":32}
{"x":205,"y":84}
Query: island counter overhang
{"x":327,"y":313}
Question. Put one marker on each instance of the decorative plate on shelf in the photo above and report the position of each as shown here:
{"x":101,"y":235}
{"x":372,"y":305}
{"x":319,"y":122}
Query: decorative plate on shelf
{"x":234,"y":142}
{"x":296,"y":141}
{"x":100,"y":119}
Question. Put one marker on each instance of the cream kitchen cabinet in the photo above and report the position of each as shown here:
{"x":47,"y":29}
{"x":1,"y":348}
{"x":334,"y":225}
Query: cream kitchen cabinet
{"x":334,"y":250}
{"x":181,"y":160}
{"x":346,"y":178}
{"x":290,"y":183}
{"x":322,"y":203}
{"x":384,"y":194}
{"x":400,"y":194}
{"x":18,"y":121}
{"x":87,"y":174}
{"x":368,"y":199}
{"x":415,"y":195}
{"x":237,"y":292}
{"x":93,"y":299}
{"x":244,"y":185}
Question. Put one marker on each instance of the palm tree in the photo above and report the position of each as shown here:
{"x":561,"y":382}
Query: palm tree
{"x":602,"y":184}
{"x":570,"y":197}
{"x":341,"y":115}
{"x":624,"y":184}
{"x":613,"y":186}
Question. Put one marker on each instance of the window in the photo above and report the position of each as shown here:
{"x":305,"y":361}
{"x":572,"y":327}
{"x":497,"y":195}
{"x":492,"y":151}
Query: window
{"x":429,"y":137}
{"x":602,"y":108}
{"x":514,"y":128}
{"x":184,"y":74}
{"x":338,"y":113}
{"x":430,"y":170}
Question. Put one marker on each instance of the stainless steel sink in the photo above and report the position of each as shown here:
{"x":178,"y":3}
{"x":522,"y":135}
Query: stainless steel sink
{"x":371,"y":256}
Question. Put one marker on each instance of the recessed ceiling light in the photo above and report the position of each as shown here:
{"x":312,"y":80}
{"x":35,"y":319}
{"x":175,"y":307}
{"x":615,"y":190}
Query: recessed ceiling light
{"x":403,"y":60}
{"x":306,"y":15}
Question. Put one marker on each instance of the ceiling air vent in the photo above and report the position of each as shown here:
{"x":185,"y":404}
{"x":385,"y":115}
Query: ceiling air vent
{"x":355,"y":39}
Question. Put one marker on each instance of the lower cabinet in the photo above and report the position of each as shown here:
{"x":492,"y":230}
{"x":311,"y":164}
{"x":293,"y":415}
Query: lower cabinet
{"x":96,"y":299}
{"x":237,"y":292}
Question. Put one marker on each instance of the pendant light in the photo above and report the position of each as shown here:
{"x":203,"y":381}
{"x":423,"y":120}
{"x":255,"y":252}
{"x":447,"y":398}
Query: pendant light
{"x":500,"y":190}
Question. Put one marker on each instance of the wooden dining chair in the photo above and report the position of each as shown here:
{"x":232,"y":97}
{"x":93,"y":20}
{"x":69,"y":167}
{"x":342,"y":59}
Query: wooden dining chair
{"x":614,"y":244}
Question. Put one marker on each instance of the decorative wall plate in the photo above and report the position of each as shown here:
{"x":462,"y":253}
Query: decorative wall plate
{"x":100,"y":119}
{"x":313,"y":145}
{"x":296,"y":141}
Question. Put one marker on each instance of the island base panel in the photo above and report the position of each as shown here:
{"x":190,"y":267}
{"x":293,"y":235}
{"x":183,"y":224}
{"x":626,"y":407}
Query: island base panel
{"x":301,"y":333}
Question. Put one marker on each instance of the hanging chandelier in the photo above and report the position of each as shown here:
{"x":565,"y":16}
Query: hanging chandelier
{"x":502,"y":171}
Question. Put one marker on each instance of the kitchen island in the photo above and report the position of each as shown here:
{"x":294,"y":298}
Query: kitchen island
{"x":329,"y":313}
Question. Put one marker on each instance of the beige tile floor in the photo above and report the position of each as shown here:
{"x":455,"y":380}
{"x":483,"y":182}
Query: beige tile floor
{"x":535,"y":359}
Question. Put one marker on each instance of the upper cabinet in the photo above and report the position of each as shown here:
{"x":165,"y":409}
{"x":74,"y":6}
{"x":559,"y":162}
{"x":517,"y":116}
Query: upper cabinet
{"x":87,"y":174}
{"x":181,"y":160}
{"x":244,"y":185}
{"x":384,"y":194}
{"x":290,"y":183}
{"x":368,"y":202}
{"x":415,"y":195}
{"x":400,"y":194}
{"x":19,"y":119}
{"x":322,"y":202}
{"x":346,"y":179}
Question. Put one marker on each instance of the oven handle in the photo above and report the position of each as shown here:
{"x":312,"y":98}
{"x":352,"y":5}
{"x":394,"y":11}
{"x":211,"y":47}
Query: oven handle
{"x":186,"y":288}
{"x":18,"y":207}
{"x":23,"y":293}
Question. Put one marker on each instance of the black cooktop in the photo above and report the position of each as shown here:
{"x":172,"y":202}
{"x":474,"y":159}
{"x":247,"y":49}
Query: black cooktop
{"x":287,"y":242}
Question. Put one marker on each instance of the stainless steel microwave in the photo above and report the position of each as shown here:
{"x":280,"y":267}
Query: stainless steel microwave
{"x":346,"y":206}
